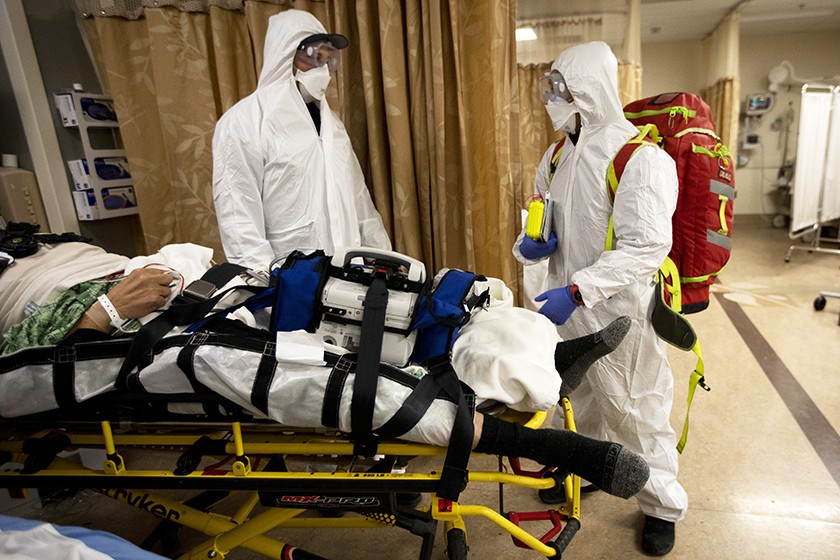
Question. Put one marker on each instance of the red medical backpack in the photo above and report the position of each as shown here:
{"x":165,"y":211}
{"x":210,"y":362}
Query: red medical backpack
{"x":702,"y":222}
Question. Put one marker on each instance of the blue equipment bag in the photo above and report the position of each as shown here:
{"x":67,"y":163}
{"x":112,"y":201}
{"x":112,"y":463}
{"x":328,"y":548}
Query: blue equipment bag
{"x":442,"y":311}
{"x":298,"y":285}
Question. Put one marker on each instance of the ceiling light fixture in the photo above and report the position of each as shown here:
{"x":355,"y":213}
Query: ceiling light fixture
{"x":526,"y":34}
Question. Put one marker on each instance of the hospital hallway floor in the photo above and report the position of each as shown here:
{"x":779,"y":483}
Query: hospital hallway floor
{"x":762,"y":463}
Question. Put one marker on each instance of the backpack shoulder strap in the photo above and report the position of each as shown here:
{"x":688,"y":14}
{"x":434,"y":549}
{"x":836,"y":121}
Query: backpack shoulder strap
{"x":648,"y":136}
{"x":555,"y":158}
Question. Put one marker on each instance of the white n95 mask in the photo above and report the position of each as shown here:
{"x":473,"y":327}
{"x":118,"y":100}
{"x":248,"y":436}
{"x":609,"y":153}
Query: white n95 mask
{"x":562,"y":115}
{"x":313,"y":82}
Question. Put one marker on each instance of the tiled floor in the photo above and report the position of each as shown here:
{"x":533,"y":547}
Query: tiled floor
{"x":762,"y":465}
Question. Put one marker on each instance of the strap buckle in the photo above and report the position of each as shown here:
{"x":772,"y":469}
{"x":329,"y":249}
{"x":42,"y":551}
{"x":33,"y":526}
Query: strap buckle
{"x":197,"y":290}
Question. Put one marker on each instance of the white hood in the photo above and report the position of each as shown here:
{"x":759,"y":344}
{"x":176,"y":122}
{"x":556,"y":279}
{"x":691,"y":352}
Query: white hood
{"x":285,"y":32}
{"x":591,"y":74}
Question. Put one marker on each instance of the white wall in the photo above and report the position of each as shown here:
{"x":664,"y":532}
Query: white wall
{"x":671,"y":67}
{"x":812,"y":55}
{"x":677,"y":67}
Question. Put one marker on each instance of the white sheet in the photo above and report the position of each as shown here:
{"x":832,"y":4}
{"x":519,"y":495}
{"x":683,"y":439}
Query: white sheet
{"x":25,"y":539}
{"x":831,"y":185}
{"x":810,"y":159}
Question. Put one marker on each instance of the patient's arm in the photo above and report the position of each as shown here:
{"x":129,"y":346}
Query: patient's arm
{"x":138,"y":294}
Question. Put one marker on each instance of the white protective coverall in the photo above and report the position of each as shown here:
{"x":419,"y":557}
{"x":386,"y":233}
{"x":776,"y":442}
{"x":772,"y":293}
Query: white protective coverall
{"x":628,"y":394}
{"x":277,"y":184}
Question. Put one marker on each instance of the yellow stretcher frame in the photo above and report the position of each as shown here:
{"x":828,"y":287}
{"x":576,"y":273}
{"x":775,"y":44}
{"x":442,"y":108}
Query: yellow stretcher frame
{"x":116,"y":480}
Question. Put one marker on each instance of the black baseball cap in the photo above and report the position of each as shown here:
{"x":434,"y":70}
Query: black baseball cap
{"x":336,"y":40}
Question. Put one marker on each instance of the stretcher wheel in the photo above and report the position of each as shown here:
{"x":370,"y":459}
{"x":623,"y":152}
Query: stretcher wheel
{"x":819,"y":303}
{"x":456,"y":544}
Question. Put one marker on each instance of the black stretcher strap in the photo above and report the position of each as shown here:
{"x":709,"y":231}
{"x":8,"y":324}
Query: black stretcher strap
{"x":345,"y":365}
{"x":223,"y":273}
{"x":412,"y":409}
{"x":185,"y":312}
{"x":64,"y":376}
{"x":153,"y":331}
{"x":453,"y":478}
{"x":41,"y":355}
{"x":367,"y":370}
{"x":186,"y":363}
{"x":264,"y":377}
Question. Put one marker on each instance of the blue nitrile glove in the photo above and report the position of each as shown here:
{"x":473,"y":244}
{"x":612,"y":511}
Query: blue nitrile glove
{"x":533,"y":250}
{"x":559,"y":304}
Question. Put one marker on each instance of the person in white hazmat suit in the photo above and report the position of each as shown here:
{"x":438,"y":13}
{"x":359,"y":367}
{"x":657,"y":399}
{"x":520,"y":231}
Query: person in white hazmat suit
{"x":285,"y":176}
{"x":627,"y":395}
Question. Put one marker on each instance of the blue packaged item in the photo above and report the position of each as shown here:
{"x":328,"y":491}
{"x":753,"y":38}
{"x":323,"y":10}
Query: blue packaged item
{"x":96,"y":109}
{"x":111,"y":169}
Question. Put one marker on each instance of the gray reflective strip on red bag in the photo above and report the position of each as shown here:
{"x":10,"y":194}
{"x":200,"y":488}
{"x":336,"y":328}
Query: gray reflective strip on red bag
{"x":718,"y":239}
{"x":722,"y":189}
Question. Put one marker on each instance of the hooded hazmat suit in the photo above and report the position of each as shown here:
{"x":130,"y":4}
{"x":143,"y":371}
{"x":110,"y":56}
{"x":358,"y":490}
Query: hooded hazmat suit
{"x":628,"y":394}
{"x":279,"y":185}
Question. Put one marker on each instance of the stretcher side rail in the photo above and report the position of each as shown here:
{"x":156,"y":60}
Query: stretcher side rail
{"x":257,"y":441}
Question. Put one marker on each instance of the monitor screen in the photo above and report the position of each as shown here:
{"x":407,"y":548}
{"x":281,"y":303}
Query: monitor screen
{"x":759,"y":103}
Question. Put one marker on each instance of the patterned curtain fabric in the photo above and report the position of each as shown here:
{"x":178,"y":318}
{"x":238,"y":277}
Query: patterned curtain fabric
{"x":629,"y":82}
{"x":555,"y":35}
{"x":535,"y":130}
{"x":724,"y":103}
{"x":133,"y":9}
{"x":426,"y":91}
{"x":431,"y":117}
{"x":630,"y":59}
{"x":722,"y":91}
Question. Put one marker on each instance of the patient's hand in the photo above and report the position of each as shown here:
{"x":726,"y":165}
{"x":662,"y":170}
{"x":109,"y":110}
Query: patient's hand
{"x":141,"y":292}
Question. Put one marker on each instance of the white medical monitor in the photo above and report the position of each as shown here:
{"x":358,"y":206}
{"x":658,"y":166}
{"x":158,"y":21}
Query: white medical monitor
{"x":759,"y":103}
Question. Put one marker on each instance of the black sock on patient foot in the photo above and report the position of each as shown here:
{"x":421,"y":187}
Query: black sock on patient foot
{"x":609,"y":466}
{"x":572,"y":358}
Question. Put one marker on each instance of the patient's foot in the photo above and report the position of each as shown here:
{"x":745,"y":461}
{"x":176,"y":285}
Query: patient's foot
{"x":572,"y":358}
{"x":609,"y":466}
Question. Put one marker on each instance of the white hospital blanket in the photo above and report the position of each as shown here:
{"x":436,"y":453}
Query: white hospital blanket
{"x":506,"y":354}
{"x":25,"y":539}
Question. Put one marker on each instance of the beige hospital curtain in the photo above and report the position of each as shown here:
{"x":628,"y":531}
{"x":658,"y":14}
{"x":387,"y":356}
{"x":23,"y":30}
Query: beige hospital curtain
{"x":535,"y":130}
{"x":630,"y":59}
{"x":428,"y":107}
{"x":425,"y":90}
{"x":555,"y":35}
{"x":172,"y":74}
{"x":722,"y":90}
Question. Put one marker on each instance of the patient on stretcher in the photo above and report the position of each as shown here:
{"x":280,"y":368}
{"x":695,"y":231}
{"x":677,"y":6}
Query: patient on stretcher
{"x":54,"y":295}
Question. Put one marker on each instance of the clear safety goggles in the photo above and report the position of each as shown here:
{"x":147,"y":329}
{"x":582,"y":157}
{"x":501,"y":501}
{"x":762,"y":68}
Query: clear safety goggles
{"x":320,"y":54}
{"x":552,"y":87}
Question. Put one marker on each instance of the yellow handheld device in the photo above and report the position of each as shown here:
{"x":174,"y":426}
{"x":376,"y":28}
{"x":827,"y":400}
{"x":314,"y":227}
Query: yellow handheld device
{"x":534,"y":224}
